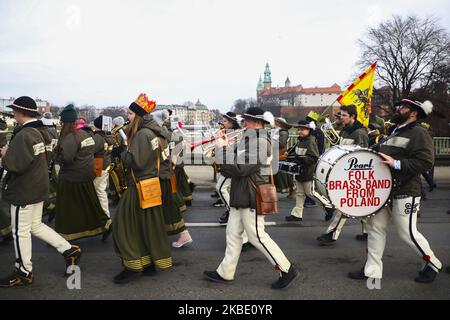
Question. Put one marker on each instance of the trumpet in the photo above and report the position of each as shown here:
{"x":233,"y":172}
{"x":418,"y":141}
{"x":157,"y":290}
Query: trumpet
{"x":231,"y":138}
{"x":330,"y":134}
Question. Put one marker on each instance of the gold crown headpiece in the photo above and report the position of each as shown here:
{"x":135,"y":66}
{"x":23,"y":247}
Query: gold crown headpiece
{"x":143,"y":102}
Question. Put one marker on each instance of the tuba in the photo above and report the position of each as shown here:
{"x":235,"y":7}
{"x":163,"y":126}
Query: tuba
{"x":330,"y":133}
{"x":117,"y":172}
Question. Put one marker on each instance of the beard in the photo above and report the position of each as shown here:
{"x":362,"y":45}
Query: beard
{"x":400,"y":118}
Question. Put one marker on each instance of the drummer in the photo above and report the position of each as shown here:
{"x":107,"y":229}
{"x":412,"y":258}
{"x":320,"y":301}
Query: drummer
{"x":306,"y":154}
{"x":353,"y":133}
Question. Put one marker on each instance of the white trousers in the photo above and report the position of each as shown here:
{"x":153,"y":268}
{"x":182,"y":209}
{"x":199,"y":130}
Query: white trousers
{"x":404,"y":215}
{"x":303,"y":190}
{"x":27,"y":221}
{"x":338,"y":222}
{"x":223,"y":187}
{"x":247,"y":219}
{"x":101,"y":184}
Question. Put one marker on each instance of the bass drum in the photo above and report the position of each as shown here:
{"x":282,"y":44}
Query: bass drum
{"x":352,"y":180}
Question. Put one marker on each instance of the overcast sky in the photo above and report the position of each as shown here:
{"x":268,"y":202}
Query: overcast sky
{"x":107,"y":52}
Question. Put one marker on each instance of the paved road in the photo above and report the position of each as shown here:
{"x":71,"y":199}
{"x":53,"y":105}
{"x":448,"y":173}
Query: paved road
{"x":323,"y":270}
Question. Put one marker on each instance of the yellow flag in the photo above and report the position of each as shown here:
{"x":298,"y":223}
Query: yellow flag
{"x":359,"y":93}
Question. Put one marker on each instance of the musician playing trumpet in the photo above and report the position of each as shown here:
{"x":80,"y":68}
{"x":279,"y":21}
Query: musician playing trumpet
{"x":306,"y":153}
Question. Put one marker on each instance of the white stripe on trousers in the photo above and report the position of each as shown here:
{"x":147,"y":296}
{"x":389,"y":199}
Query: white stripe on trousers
{"x":253,"y":224}
{"x":405,"y":223}
{"x":27,"y":221}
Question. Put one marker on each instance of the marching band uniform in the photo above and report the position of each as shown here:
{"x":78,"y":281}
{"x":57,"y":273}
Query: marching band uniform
{"x":243,"y":214}
{"x":355,"y":134}
{"x":140,"y":237}
{"x":79,"y":213}
{"x":50,"y":202}
{"x":172,"y":215}
{"x":26,"y":187}
{"x":102,"y":150}
{"x":283,"y":181}
{"x":305,"y":153}
{"x":410,"y":150}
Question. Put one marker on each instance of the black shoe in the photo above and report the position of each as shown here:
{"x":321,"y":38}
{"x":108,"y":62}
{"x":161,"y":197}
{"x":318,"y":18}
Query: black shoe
{"x":246,"y":246}
{"x":427,"y":275}
{"x":215,"y":194}
{"x":126,"y":276}
{"x":72,"y":258}
{"x":285,"y":279}
{"x":192,"y":186}
{"x":328,"y":213}
{"x":16,"y":278}
{"x":326,"y":239}
{"x":106,"y":235}
{"x":362,"y":237}
{"x":149,"y":271}
{"x":357,"y":275}
{"x":215,"y":277}
{"x":224,"y":218}
{"x":7,"y":240}
{"x":219,"y":203}
{"x":293,"y":218}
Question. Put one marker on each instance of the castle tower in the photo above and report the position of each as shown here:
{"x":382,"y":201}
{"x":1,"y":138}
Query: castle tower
{"x":287,"y":83}
{"x":267,"y":77}
{"x":260,"y":85}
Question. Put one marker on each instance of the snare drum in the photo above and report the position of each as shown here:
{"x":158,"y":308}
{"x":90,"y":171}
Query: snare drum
{"x":290,"y":167}
{"x":352,"y":180}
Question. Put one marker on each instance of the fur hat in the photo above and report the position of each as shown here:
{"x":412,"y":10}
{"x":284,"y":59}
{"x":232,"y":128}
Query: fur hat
{"x":259,"y":114}
{"x":161,"y":116}
{"x":424,"y":108}
{"x":118,"y":121}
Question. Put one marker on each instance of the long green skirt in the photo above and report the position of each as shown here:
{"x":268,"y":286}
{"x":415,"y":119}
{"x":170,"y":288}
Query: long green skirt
{"x":183,"y":183}
{"x":140,"y":236}
{"x":179,"y":201}
{"x":78,"y":211}
{"x":283,"y":182}
{"x":5,"y":224}
{"x":172,"y":216}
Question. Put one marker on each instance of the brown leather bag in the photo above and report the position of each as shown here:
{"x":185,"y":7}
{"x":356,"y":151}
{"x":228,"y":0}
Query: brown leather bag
{"x":149,"y":190}
{"x":266,"y":198}
{"x":98,"y":166}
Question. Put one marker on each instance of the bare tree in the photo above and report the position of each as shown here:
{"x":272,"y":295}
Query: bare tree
{"x":410,"y":52}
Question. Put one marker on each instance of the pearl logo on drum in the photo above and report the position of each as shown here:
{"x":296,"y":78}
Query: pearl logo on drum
{"x":354,"y":165}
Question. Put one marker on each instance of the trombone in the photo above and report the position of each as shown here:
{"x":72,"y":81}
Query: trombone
{"x":209,"y":146}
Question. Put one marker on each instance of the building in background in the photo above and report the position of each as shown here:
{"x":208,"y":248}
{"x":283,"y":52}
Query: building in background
{"x":191,"y":113}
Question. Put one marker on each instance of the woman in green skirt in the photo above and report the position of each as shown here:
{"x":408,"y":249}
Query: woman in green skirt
{"x":283,"y":181}
{"x":140,"y":237}
{"x":78,"y":210}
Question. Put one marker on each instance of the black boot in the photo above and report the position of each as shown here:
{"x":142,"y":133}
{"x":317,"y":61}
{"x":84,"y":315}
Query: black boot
{"x":149,"y":271}
{"x":224,"y":218}
{"x":72,"y":257}
{"x":126,"y":276}
{"x":215,"y":277}
{"x":427,"y":275}
{"x":357,"y":275}
{"x":362,"y":237}
{"x":326,"y":239}
{"x":328,"y":213}
{"x":286,"y":278}
{"x":16,"y":278}
{"x":292,"y":218}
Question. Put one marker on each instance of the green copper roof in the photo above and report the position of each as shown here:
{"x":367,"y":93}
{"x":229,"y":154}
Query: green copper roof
{"x":267,"y":74}
{"x":260,"y":85}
